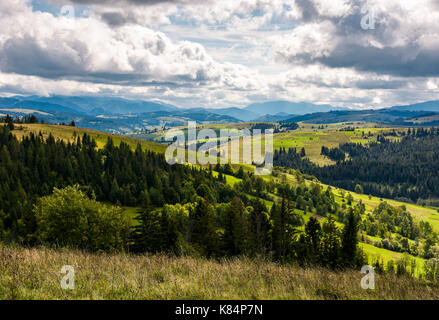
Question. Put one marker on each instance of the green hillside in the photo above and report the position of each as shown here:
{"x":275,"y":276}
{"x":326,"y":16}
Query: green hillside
{"x":311,"y":140}
{"x":69,"y":134}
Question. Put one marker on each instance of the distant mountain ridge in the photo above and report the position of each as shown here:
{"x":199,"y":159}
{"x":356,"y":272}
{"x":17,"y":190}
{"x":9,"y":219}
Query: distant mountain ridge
{"x":110,"y":105}
{"x":274,"y":110}
{"x":93,"y":106}
{"x":115,"y":115}
{"x":422,"y":106}
{"x":239,"y":113}
{"x":275,"y":117}
{"x":124,"y":115}
{"x":299,"y":108}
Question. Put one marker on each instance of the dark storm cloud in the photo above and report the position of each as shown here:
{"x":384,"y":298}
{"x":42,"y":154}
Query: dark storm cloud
{"x":379,"y":84}
{"x":406,"y":61}
{"x":309,"y":11}
{"x":114,"y":18}
{"x":354,"y":49}
{"x":396,"y":61}
{"x":25,"y":56}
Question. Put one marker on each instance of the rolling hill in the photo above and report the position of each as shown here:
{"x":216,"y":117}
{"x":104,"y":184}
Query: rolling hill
{"x":432,"y":106}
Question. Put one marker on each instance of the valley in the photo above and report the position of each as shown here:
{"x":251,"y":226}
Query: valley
{"x":307,"y":136}
{"x":382,"y":241}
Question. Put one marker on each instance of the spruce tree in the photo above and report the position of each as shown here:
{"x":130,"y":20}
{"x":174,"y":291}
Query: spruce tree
{"x":280,"y":236}
{"x":313,"y":234}
{"x":204,"y":235}
{"x":236,"y":231}
{"x":260,"y":227}
{"x":331,"y":245}
{"x":350,"y":240}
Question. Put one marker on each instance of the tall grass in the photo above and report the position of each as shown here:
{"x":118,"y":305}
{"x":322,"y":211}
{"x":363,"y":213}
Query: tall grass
{"x":36,"y":274}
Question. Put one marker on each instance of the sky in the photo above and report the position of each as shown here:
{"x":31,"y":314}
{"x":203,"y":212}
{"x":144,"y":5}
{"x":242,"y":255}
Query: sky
{"x":228,"y":53}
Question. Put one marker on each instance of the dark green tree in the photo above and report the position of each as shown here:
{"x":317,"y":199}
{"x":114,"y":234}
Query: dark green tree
{"x":204,"y":235}
{"x":236,"y":230}
{"x":349,"y":248}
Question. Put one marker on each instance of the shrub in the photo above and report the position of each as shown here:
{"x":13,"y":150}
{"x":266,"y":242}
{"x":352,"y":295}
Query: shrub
{"x":68,"y":218}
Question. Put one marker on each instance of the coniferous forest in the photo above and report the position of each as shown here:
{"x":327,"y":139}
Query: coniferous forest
{"x":56,"y":193}
{"x":404,"y":169}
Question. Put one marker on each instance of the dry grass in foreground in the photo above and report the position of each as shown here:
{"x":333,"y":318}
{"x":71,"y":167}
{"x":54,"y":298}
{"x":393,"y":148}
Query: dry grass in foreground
{"x":36,"y":274}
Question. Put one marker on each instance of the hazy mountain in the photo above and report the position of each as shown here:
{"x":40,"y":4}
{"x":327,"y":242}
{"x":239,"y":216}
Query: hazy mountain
{"x":276,"y":117}
{"x":110,"y":105}
{"x":124,"y":115}
{"x":107,"y":114}
{"x":300,"y":108}
{"x":241,"y":114}
{"x":423,"y":106}
{"x":107,"y":104}
{"x":30,"y":104}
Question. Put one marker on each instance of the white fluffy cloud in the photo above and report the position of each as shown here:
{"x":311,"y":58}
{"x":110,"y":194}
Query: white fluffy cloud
{"x":40,"y":44}
{"x":224,"y":53}
{"x":43,"y":46}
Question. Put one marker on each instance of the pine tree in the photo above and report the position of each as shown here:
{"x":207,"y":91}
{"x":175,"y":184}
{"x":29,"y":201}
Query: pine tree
{"x":9,"y":122}
{"x":313,"y":234}
{"x":169,"y":231}
{"x":148,"y":235}
{"x":236,"y":231}
{"x":204,"y":234}
{"x":281,"y":237}
{"x":331,"y":246}
{"x":350,"y":240}
{"x":260,"y":227}
{"x":144,"y":200}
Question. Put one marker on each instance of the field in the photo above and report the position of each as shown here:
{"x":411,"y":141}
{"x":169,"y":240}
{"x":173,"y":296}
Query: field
{"x":309,"y":136}
{"x":312,"y":139}
{"x":36,"y":274}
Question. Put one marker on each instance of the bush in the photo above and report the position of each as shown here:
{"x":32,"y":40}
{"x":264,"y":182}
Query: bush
{"x":68,"y":218}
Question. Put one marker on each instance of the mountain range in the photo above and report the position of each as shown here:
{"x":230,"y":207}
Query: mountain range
{"x":124,"y":115}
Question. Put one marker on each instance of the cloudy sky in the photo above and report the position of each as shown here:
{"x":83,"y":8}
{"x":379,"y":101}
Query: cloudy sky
{"x":194,"y":53}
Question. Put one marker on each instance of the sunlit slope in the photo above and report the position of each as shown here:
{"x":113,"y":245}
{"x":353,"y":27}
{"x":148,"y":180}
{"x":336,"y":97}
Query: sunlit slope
{"x":68,"y":133}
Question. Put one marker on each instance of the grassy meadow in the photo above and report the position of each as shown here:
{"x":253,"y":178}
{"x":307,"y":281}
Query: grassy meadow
{"x":36,"y":274}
